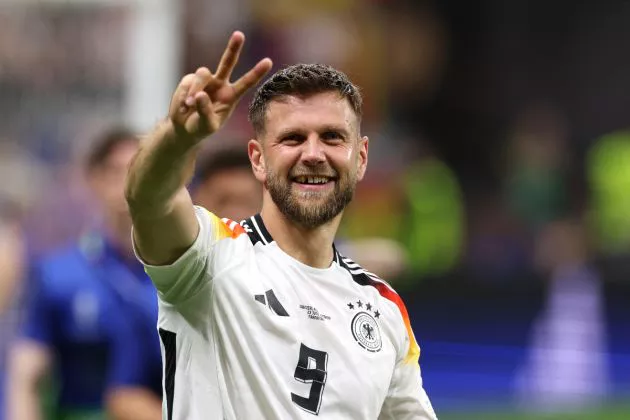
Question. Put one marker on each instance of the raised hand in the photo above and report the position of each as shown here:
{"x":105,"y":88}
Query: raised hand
{"x":203,"y":101}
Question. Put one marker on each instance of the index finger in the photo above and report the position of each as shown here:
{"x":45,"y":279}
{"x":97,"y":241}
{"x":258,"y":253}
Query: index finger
{"x":252,"y":77}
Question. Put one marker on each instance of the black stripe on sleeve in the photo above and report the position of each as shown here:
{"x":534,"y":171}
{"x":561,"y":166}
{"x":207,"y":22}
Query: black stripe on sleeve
{"x":263,"y":229}
{"x":170,"y":363}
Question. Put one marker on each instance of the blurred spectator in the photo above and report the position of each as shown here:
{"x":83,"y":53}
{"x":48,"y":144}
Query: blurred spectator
{"x":225,"y":184}
{"x":537,"y":167}
{"x":91,"y":315}
{"x":434,"y":224}
{"x":534,"y":188}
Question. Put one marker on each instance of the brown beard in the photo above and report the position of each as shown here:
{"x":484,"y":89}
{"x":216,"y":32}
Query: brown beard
{"x":308,"y":215}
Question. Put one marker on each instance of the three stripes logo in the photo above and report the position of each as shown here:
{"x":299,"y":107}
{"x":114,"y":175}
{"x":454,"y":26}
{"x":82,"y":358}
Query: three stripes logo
{"x":270,"y":300}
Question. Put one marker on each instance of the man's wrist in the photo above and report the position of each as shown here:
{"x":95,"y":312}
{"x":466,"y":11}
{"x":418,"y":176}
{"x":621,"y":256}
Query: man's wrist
{"x":176,"y":139}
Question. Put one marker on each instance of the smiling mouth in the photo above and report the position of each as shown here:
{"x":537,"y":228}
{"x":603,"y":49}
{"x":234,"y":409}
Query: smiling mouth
{"x":312,"y":180}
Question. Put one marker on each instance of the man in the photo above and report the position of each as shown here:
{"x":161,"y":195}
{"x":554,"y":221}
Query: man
{"x":91,"y":317}
{"x":264,"y":319}
{"x":224,"y":184}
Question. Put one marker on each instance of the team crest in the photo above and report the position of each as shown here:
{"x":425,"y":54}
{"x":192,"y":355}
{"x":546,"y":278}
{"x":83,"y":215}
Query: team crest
{"x":364,"y":327}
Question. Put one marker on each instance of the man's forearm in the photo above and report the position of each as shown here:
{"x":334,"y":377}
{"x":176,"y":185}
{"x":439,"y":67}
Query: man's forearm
{"x":162,"y":167}
{"x":164,"y":221}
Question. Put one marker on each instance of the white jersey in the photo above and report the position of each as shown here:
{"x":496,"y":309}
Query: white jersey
{"x":248,"y":332}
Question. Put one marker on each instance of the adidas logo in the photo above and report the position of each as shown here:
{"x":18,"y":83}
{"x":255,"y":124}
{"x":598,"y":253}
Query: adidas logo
{"x":270,"y":300}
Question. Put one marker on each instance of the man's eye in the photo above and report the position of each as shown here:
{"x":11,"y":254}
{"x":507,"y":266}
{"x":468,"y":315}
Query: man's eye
{"x":292,"y":138}
{"x":331,"y":135}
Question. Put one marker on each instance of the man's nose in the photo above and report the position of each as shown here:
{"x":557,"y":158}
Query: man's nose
{"x":313,"y":152}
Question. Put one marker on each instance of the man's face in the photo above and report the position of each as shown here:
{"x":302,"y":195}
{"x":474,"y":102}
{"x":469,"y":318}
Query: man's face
{"x":108,"y":180}
{"x":312,"y":157}
{"x":232,"y":193}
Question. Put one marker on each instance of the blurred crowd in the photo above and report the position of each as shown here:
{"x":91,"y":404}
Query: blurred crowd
{"x":495,"y":199}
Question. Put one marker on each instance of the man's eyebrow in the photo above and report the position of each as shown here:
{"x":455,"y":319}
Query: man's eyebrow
{"x":323,"y":129}
{"x":286,"y":131}
{"x":332,"y":127}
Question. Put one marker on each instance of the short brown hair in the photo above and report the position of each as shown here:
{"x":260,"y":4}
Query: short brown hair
{"x":302,"y":80}
{"x":105,"y":144}
{"x":212,"y":163}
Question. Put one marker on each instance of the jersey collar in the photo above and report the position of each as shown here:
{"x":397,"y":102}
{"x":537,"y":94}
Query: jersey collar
{"x":257,"y":232}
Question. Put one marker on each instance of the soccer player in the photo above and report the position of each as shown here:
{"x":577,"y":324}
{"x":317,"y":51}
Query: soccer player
{"x":91,"y":317}
{"x":224,"y":184}
{"x":264,"y":319}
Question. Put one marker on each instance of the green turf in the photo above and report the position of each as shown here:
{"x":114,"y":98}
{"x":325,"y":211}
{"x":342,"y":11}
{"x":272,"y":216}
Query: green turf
{"x":610,"y":413}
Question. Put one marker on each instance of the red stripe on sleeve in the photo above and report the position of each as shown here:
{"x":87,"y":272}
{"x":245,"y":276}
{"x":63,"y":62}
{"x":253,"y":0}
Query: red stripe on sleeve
{"x":413,"y":352}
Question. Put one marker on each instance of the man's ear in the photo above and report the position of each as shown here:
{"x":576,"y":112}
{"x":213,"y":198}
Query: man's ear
{"x":363,"y":157}
{"x":257,"y":159}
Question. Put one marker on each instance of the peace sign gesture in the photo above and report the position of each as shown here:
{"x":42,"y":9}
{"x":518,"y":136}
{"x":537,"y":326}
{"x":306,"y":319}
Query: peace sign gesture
{"x":203,"y":101}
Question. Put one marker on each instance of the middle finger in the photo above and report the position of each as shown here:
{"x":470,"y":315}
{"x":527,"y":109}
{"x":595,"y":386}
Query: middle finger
{"x":230,"y":56}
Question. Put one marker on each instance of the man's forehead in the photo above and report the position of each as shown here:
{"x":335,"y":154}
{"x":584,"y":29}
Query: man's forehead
{"x":323,"y":108}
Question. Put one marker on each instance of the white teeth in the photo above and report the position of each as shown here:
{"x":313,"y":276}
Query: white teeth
{"x":311,"y":180}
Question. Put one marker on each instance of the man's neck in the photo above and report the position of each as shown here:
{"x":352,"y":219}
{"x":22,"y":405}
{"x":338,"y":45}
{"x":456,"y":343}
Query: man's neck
{"x":312,"y":247}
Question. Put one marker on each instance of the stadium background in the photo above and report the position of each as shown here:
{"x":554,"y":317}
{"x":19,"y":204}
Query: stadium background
{"x":499,"y":160}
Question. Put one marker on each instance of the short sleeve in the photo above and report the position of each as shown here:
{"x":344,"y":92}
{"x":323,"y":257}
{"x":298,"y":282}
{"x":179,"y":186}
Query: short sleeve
{"x":406,"y":398}
{"x":39,"y":314}
{"x":190,"y":273}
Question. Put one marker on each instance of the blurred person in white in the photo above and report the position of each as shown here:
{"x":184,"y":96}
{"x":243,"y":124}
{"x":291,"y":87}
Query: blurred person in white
{"x":265,"y":319}
{"x":91,"y":312}
{"x":567,"y":366}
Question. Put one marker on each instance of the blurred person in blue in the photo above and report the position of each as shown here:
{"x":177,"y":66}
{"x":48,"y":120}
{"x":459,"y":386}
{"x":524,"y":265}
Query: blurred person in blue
{"x":90,"y":321}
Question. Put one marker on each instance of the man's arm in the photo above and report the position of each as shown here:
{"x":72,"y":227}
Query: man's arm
{"x":29,"y":362}
{"x":407,"y":399}
{"x":165,"y":225}
{"x":164,"y":222}
{"x":31,"y":354}
{"x":133,"y":403}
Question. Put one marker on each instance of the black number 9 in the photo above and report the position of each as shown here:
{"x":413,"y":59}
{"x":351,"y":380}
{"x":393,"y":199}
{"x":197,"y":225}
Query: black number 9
{"x":316,"y":376}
